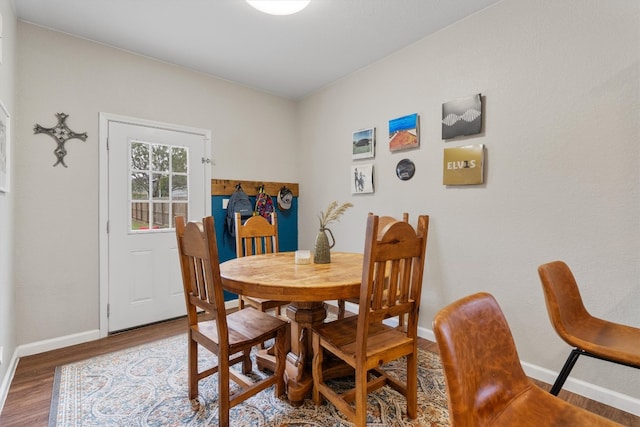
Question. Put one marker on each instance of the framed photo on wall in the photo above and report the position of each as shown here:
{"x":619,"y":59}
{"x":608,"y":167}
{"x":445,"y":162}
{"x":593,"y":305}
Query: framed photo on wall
{"x":463,"y":165}
{"x":362,"y":178}
{"x":462,"y":117}
{"x":364,"y":143}
{"x":5,"y":148}
{"x":404,"y":133}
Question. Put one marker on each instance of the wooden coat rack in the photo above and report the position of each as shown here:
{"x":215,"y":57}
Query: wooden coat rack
{"x":226,"y":187}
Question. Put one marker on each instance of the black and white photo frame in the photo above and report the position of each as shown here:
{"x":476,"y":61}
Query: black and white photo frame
{"x":362,"y":178}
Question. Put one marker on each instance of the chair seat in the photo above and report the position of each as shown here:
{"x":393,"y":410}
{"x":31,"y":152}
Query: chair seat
{"x":341,"y":335}
{"x":246,"y":327}
{"x":613,"y":341}
{"x":262,"y":304}
{"x":535,"y":407}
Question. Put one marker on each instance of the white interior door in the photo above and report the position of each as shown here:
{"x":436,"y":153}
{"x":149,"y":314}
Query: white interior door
{"x":154,"y":175}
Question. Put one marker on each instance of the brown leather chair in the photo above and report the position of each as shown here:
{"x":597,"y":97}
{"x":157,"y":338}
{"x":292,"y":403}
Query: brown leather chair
{"x":391,"y":286}
{"x":382,"y":223}
{"x":230,"y":337}
{"x":590,"y":336}
{"x":486,"y":385}
{"x":257,"y":236}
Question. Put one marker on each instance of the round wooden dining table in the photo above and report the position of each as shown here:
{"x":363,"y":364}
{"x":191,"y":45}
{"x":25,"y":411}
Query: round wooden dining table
{"x":276,"y":276}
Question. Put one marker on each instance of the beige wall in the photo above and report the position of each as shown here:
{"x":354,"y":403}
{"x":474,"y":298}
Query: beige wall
{"x":561,"y":83}
{"x":7,"y":312}
{"x":57,"y":257}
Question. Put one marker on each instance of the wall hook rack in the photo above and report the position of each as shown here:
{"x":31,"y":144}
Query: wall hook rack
{"x":61,"y":133}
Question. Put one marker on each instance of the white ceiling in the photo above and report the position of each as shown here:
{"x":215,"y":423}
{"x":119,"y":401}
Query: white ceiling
{"x":290,"y":56}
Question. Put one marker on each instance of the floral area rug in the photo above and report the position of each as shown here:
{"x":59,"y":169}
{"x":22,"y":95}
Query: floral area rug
{"x":147,"y":386}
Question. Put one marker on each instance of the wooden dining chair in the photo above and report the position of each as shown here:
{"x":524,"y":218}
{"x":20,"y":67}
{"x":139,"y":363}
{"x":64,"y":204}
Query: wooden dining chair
{"x":229,"y":336}
{"x":257,"y":236}
{"x":392,"y":271}
{"x":590,"y":336}
{"x":382,"y":223}
{"x":486,"y":385}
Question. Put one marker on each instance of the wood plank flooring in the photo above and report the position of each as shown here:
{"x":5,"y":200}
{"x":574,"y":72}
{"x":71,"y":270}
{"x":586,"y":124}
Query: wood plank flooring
{"x":29,"y":399}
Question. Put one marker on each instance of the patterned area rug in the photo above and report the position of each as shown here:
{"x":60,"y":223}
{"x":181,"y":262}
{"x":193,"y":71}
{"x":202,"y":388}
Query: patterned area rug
{"x":147,"y":386}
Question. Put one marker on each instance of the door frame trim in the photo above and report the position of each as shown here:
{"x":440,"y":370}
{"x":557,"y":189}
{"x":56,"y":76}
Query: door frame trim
{"x":103,"y":199}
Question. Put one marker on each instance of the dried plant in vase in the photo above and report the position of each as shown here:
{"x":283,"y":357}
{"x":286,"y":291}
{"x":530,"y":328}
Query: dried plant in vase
{"x":322,"y":253}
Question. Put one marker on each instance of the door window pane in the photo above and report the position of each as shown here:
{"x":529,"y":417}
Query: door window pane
{"x":179,"y":189}
{"x":139,"y":186}
{"x":140,"y":216}
{"x":161,"y":215}
{"x":139,"y":156}
{"x":179,"y":159}
{"x":160,"y":185}
{"x":179,"y":209}
{"x":158,"y":176}
{"x":160,"y":158}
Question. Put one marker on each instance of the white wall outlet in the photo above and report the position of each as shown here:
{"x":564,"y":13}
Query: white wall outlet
{"x":225,"y":203}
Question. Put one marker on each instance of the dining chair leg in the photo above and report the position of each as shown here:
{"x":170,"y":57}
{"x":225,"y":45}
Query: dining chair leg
{"x":566,"y":369}
{"x":412,"y":386}
{"x":281,"y":360}
{"x":192,"y":355}
{"x":361,"y":398}
{"x":223,"y":390}
{"x":317,"y":368}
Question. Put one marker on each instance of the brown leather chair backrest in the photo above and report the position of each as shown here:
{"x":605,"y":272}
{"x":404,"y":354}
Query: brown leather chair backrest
{"x":481,"y":365}
{"x":562,"y":297}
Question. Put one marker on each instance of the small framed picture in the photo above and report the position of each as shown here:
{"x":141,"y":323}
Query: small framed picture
{"x":364,"y":143}
{"x":5,"y":149}
{"x":463,"y":165}
{"x":404,"y":133}
{"x":462,"y":117}
{"x":362,"y":178}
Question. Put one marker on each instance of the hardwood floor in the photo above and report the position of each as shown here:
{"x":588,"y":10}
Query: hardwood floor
{"x":29,"y":399}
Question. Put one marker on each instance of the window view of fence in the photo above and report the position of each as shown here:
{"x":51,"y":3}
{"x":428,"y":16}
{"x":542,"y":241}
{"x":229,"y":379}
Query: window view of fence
{"x":159,"y":189}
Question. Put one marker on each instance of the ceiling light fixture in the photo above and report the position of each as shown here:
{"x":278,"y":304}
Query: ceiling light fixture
{"x":279,"y":7}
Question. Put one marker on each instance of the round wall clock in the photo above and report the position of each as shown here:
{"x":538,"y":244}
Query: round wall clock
{"x":405,"y":169}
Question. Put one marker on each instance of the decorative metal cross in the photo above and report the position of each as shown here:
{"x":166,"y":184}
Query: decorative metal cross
{"x":61,"y":133}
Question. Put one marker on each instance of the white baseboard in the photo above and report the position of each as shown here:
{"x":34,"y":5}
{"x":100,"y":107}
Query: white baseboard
{"x":56,"y":343}
{"x":6,"y":382}
{"x":40,"y":347}
{"x":594,"y":392}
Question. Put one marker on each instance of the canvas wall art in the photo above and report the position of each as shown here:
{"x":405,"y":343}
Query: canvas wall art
{"x":462,"y":117}
{"x":463,"y":165}
{"x":363,"y":142}
{"x":362,"y":178}
{"x":404,"y":133}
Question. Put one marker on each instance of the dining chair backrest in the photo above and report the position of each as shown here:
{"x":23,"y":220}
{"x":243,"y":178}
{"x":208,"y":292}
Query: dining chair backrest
{"x":393,"y":266}
{"x":481,"y":364}
{"x":257,"y":235}
{"x":198,"y":253}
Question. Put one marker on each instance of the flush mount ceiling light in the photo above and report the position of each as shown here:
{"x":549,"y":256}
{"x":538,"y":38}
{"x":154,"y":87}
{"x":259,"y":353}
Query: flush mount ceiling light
{"x":279,"y":7}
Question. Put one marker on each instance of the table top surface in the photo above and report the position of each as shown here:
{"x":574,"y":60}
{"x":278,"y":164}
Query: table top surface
{"x":277,"y":276}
